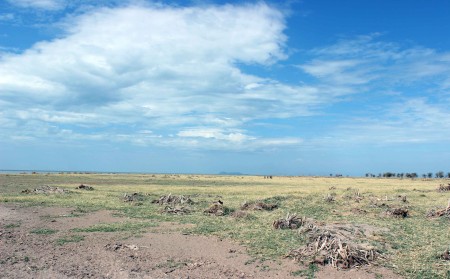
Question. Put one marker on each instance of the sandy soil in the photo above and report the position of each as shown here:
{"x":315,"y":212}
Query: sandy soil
{"x":161,"y":252}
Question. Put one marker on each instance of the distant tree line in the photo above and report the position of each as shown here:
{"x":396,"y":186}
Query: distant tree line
{"x":439,"y":174}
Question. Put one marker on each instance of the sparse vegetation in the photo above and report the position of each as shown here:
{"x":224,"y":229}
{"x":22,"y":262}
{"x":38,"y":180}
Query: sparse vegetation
{"x":404,"y":242}
{"x":44,"y":231}
{"x":69,"y":239}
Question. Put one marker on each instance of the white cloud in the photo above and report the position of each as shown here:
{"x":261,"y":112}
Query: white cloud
{"x":155,"y":67}
{"x":370,"y":62}
{"x":7,"y":17}
{"x":39,"y":4}
{"x":414,"y":121}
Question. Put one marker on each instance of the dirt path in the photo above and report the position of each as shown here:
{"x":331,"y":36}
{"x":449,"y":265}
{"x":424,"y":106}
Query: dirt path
{"x":158,"y":253}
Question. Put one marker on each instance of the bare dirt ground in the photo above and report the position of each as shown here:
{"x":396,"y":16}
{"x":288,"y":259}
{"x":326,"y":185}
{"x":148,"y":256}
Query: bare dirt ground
{"x":160,"y":252}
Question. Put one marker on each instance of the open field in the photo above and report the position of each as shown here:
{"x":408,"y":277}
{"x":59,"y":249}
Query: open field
{"x":410,"y":247}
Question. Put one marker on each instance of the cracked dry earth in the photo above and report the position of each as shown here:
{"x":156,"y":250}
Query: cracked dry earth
{"x":160,"y":252}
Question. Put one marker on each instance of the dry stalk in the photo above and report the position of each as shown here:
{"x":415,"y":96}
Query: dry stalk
{"x":258,"y":206}
{"x":290,"y":222}
{"x":173,"y":199}
{"x":325,"y":247}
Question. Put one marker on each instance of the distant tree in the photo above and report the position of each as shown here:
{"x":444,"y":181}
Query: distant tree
{"x":331,"y":174}
{"x":424,"y":175}
{"x":448,"y":174}
{"x":440,"y":174}
{"x":430,"y":175}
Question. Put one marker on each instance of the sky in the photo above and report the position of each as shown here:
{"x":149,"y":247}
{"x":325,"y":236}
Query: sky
{"x":312,"y":87}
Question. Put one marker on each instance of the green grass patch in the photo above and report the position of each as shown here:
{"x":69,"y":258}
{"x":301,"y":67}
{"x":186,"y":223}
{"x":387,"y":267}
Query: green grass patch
{"x":44,"y":231}
{"x":69,"y":239}
{"x":12,"y":226}
{"x":116,"y":227}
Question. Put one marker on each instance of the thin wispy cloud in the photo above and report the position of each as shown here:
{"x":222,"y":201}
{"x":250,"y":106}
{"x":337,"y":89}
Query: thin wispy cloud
{"x":39,"y":4}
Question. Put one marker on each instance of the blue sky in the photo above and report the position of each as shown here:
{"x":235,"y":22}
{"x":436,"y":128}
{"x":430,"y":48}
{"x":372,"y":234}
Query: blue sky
{"x":304,"y":88}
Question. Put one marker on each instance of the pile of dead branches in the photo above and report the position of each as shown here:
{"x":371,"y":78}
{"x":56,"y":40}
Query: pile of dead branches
{"x":443,"y":188}
{"x":173,"y":199}
{"x":259,"y":205}
{"x":290,"y":222}
{"x":216,"y":209}
{"x":329,"y":198}
{"x":133,"y":197}
{"x":178,"y":210}
{"x":325,"y":247}
{"x":354,"y":195}
{"x":398,"y":212}
{"x":85,"y":187}
{"x":440,"y":212}
{"x":46,"y":190}
{"x":446,"y":255}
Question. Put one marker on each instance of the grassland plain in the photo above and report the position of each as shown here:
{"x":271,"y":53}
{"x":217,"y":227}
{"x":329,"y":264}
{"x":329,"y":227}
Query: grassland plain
{"x":411,"y":245}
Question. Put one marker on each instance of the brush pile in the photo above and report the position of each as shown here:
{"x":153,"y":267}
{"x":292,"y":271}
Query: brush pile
{"x":216,"y":209}
{"x":440,"y":212}
{"x":85,"y":187}
{"x":329,"y":198}
{"x":327,"y":247}
{"x":46,"y":190}
{"x":397,"y":212}
{"x":335,"y":245}
{"x":290,"y":222}
{"x":133,"y":197}
{"x":178,"y":210}
{"x":258,"y":206}
{"x":446,"y":255}
{"x":443,"y":188}
{"x":173,"y":199}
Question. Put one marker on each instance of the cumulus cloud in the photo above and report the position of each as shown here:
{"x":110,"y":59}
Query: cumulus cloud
{"x":158,"y":67}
